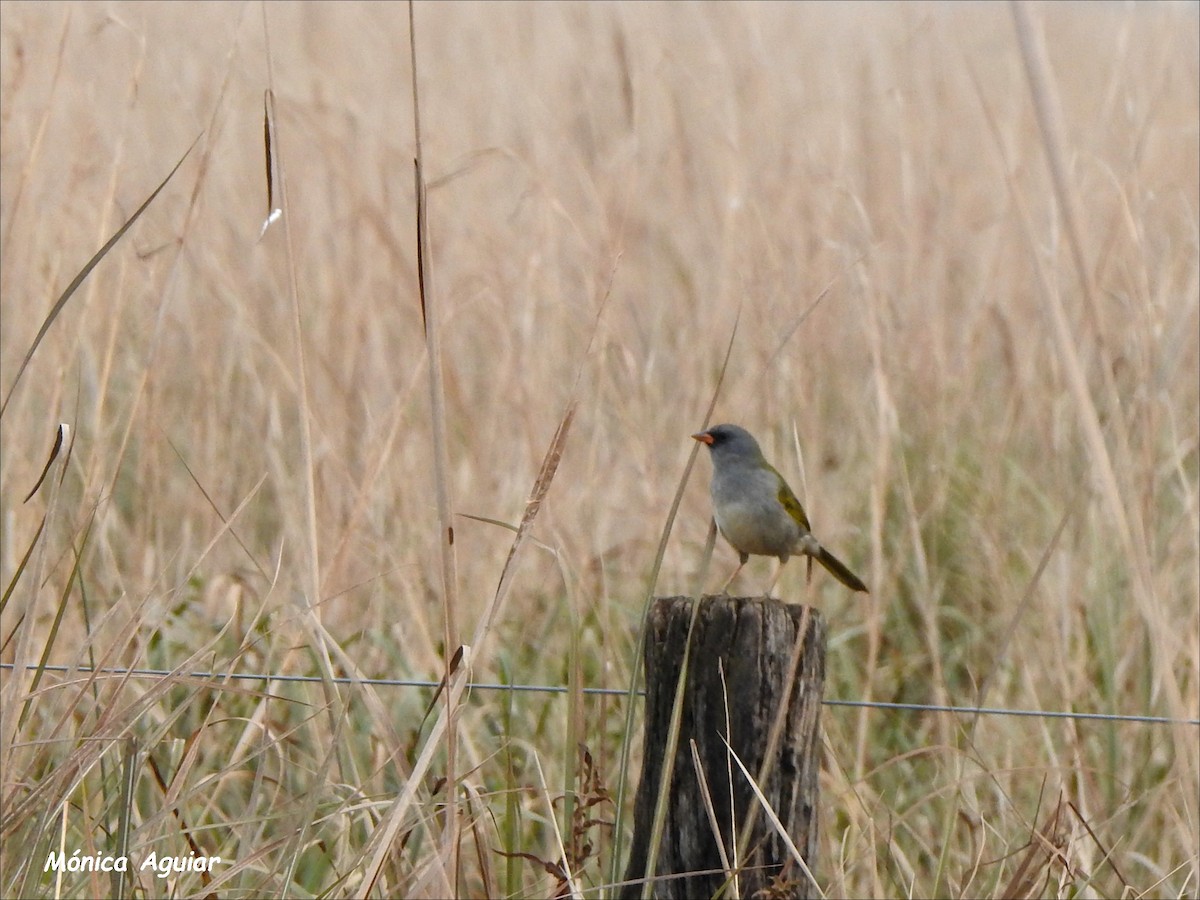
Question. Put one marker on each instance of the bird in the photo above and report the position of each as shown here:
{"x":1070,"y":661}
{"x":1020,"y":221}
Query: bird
{"x":756,"y":511}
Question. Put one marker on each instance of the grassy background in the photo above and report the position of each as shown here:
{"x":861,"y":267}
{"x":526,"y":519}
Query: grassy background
{"x":687,"y":162}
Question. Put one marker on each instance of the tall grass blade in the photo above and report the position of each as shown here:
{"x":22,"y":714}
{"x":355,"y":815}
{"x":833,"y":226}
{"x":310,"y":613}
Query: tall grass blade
{"x":63,"y":600}
{"x":58,"y":442}
{"x":711,"y":812}
{"x":16,"y":689}
{"x":273,"y":211}
{"x":129,"y":769}
{"x":12,"y":582}
{"x":651,"y":582}
{"x":441,"y":460}
{"x":87,"y":270}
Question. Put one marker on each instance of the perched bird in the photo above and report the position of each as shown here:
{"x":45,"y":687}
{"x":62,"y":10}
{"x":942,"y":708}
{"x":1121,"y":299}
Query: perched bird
{"x":756,"y":511}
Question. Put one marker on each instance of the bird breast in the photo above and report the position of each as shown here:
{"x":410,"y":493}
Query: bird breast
{"x":750,"y":516}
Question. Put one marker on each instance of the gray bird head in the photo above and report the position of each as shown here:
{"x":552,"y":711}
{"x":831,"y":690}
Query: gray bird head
{"x":730,"y":444}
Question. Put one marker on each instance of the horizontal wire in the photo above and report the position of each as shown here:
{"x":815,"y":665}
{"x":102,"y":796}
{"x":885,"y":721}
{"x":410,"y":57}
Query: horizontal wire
{"x":614,"y":692}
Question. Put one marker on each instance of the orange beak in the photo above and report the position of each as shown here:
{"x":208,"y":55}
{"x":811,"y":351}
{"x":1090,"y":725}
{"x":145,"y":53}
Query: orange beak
{"x":703,"y":437}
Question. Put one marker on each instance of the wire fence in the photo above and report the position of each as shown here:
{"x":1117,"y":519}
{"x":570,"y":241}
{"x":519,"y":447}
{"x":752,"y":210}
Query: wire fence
{"x":601,"y":691}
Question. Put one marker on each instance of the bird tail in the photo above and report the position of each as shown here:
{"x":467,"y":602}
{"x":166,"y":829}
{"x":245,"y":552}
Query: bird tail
{"x":839,"y":571}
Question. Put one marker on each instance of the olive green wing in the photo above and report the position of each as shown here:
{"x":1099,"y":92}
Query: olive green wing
{"x":791,"y":504}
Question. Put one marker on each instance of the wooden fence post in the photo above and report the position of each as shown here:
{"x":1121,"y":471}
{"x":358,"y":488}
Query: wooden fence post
{"x":751,"y":641}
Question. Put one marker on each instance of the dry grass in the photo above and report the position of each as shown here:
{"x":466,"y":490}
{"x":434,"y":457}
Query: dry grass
{"x":699,"y":159}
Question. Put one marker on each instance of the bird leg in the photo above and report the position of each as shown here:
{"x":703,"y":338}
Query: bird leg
{"x":729,"y":580}
{"x":778,"y":572}
{"x":742,"y":558}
